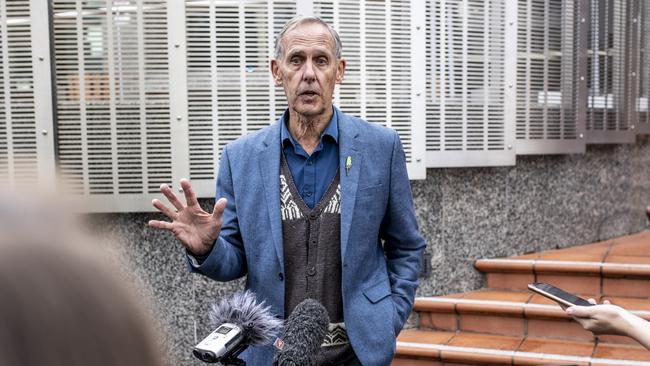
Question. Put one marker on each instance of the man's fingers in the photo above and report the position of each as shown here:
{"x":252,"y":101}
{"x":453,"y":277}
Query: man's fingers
{"x":219,"y":207}
{"x":190,"y":197}
{"x":171,"y":197}
{"x":164,"y":209}
{"x":592,"y":301}
{"x":606,"y":302}
{"x":161,"y":224}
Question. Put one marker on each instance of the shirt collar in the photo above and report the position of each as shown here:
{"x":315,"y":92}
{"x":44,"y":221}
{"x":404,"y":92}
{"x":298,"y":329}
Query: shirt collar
{"x":332,"y":129}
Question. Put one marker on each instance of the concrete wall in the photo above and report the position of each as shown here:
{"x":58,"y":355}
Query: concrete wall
{"x":543,"y":202}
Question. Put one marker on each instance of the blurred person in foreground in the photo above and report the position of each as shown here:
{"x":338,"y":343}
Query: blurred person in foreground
{"x":607,"y":318}
{"x":316,"y":205}
{"x":61,"y":302}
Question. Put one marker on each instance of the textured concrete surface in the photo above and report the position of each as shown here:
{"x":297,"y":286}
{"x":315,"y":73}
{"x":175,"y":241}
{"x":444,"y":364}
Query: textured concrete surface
{"x":181,"y":300}
{"x":542,"y":202}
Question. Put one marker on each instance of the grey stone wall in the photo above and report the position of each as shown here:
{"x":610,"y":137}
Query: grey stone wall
{"x":543,"y":202}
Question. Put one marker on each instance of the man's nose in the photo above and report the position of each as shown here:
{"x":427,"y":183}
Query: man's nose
{"x":308,"y":73}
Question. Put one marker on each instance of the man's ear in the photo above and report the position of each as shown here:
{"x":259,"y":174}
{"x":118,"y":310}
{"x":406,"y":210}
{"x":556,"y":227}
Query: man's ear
{"x":275,"y":71}
{"x":340,"y":70}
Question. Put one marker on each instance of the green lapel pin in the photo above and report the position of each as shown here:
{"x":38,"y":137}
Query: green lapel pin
{"x":348,"y":164}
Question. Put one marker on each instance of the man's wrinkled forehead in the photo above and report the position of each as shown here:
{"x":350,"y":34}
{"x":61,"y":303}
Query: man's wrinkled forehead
{"x":308,"y":35}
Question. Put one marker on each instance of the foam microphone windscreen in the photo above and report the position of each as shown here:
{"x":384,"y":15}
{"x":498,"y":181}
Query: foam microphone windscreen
{"x":243,"y":309}
{"x":304,"y":332}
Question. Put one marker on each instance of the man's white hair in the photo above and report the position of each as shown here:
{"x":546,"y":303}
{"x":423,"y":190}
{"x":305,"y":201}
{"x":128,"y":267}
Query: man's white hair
{"x":301,"y":19}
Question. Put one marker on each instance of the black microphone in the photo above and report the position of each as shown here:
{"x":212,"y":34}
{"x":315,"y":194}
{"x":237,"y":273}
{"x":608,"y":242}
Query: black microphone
{"x":241,"y":322}
{"x":304,"y":332}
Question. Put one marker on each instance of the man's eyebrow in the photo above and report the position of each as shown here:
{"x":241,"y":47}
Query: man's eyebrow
{"x":318,"y":51}
{"x":295,"y":53}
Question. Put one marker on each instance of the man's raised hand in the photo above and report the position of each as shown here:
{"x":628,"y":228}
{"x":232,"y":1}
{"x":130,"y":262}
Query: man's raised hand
{"x":196,"y":229}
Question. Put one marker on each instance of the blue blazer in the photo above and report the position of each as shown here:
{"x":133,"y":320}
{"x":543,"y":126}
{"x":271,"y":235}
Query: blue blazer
{"x":380,"y":242}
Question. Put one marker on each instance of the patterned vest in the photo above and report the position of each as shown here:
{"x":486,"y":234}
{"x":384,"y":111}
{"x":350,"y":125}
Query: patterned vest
{"x":312,"y":259}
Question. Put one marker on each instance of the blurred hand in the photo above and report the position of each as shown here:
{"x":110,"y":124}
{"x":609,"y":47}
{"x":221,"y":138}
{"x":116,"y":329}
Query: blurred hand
{"x":600,"y":319}
{"x":611,"y":319}
{"x":196,"y":229}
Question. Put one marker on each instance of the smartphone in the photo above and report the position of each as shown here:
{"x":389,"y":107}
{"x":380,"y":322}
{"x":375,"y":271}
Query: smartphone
{"x":558,"y":295}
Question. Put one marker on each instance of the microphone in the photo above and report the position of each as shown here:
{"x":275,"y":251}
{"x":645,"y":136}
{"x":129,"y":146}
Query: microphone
{"x":241,"y":322}
{"x":304,"y":332}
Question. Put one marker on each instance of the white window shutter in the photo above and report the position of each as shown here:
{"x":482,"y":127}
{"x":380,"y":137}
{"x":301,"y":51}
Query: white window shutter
{"x":471,"y":71}
{"x":230,"y":88}
{"x":382,"y":43}
{"x":551,"y":76}
{"x":112,"y":79}
{"x":608,"y":81}
{"x":26,"y":136}
{"x":153,"y":73}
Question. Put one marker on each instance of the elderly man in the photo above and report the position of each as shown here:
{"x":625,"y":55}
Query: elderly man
{"x":317,"y":205}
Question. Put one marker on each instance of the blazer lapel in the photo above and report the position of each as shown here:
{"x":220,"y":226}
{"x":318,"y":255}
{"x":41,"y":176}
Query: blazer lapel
{"x":350,"y":161}
{"x":269,"y":162}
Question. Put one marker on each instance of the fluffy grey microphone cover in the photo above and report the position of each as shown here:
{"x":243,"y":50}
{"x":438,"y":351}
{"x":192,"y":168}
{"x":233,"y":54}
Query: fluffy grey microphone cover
{"x":304,"y":332}
{"x":243,"y":309}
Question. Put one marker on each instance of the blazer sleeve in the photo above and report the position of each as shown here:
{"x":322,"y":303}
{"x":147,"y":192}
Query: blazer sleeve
{"x":227,"y":260}
{"x":403,"y":243}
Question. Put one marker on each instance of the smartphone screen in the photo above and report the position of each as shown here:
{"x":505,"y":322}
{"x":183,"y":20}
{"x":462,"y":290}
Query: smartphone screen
{"x":558,"y":295}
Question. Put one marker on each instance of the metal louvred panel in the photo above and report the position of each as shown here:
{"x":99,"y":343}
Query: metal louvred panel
{"x":383,"y":43}
{"x":230,"y":88}
{"x":607,"y":80}
{"x":642,"y":105}
{"x":19,"y":145}
{"x":471,"y":74}
{"x":551,"y":70}
{"x":112,"y":79}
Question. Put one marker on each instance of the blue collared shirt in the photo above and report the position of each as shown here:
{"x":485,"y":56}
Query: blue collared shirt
{"x":313,"y":173}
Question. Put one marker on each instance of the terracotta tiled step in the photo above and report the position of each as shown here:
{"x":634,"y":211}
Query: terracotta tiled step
{"x":513,"y":313}
{"x":509,"y":325}
{"x":418,"y":348}
{"x":618,"y":267}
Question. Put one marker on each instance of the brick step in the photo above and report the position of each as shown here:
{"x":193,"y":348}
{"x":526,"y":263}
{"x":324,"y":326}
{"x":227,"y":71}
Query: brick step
{"x":617,"y":267}
{"x":508,"y":325}
{"x":419,"y":348}
{"x":514,"y":313}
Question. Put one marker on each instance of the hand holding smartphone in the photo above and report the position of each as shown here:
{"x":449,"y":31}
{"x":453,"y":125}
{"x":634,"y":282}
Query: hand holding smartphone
{"x":558,"y":295}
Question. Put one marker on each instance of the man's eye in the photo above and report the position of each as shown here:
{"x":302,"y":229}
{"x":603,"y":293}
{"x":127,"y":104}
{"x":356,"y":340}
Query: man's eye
{"x":295,"y":61}
{"x":321,"y":61}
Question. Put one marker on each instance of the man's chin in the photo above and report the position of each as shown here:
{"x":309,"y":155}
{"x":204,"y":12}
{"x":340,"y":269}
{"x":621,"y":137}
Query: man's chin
{"x":310,"y":110}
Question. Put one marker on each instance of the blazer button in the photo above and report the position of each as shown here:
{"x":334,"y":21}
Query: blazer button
{"x":281,"y":276}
